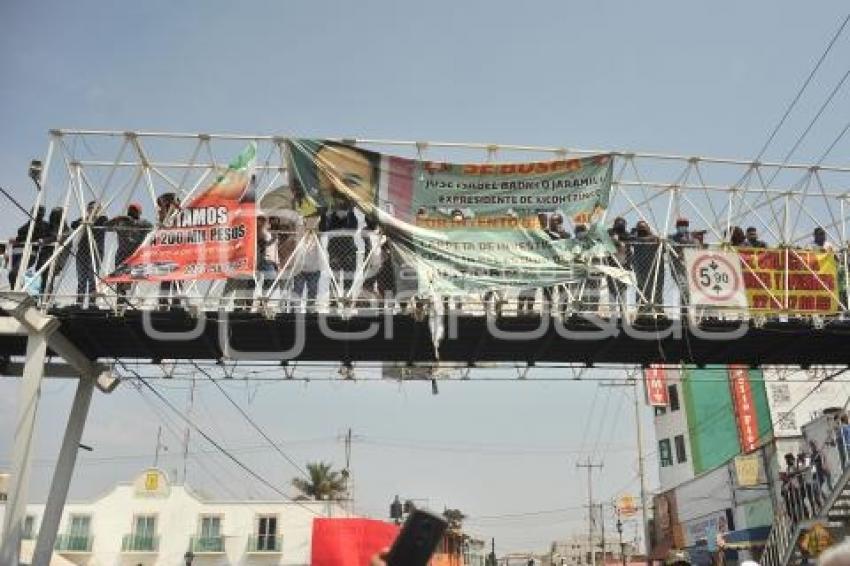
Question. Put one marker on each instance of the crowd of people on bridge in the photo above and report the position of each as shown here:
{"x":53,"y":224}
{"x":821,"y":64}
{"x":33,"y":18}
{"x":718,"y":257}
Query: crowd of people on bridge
{"x":808,"y":480}
{"x":341,"y":245}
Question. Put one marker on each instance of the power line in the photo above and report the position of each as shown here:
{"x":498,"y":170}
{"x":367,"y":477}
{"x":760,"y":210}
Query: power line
{"x":218,"y":446}
{"x":65,"y":245}
{"x":809,"y":127}
{"x":802,"y":88}
{"x":253,"y":424}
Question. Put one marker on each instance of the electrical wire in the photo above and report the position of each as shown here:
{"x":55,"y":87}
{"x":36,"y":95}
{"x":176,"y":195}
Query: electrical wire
{"x":218,"y":446}
{"x":254,"y":425}
{"x":803,"y":88}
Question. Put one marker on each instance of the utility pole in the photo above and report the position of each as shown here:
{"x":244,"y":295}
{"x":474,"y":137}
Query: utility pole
{"x":349,"y":481}
{"x":602,"y":520}
{"x":589,"y":467}
{"x":158,"y":446}
{"x":641,"y":471}
{"x":620,"y":532}
{"x":641,"y":467}
{"x":186,"y":437}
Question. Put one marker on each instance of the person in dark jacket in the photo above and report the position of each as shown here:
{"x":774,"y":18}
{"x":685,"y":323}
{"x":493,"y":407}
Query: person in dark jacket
{"x":617,"y":290}
{"x":647,"y":260}
{"x":753,"y":238}
{"x":131,"y":230}
{"x":57,"y":236}
{"x":340,"y":224}
{"x":89,"y":251}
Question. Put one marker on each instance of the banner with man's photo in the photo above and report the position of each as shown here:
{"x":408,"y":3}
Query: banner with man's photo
{"x":212,"y":235}
{"x":463,"y":227}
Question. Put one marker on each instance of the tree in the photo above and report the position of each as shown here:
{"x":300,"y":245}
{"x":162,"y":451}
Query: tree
{"x":455,"y":518}
{"x":323,"y":484}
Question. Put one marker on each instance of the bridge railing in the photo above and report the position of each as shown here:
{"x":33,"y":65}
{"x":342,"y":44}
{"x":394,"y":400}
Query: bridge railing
{"x":298,"y":271}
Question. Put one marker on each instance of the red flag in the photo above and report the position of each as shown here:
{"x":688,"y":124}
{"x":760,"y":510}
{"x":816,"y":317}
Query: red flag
{"x":745,"y":408}
{"x":655,"y":378}
{"x":349,"y":542}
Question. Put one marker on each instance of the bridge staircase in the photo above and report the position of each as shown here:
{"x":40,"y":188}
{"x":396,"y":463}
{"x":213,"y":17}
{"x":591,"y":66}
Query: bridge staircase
{"x":783,"y":548}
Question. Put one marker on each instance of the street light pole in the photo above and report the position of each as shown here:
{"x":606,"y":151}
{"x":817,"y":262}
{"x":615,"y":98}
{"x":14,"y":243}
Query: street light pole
{"x":620,"y":532}
{"x":641,"y":466}
{"x":643,"y":504}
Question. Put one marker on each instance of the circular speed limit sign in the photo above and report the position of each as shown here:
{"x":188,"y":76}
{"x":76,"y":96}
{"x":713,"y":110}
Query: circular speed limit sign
{"x":715,"y":277}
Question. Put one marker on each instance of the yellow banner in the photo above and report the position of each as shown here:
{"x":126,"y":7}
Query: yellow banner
{"x":788,"y":280}
{"x":747,"y":470}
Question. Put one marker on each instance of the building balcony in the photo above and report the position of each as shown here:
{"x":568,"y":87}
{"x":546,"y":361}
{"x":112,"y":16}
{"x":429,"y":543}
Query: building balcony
{"x":73,"y":543}
{"x":265,"y":544}
{"x":140,"y":543}
{"x":207,"y":545}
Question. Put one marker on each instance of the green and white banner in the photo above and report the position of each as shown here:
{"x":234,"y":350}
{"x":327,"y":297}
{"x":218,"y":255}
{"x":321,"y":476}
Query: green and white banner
{"x":465,"y":227}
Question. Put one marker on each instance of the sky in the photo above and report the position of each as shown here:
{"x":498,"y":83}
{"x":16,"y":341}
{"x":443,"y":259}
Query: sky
{"x":692,"y":78}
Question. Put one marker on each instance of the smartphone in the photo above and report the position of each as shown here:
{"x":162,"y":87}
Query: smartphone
{"x":417,"y":540}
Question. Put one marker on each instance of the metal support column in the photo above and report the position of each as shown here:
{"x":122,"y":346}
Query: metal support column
{"x":63,"y":472}
{"x":28,"y":398}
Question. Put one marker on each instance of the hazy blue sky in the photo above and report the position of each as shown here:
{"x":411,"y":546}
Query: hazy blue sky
{"x":709,"y":78}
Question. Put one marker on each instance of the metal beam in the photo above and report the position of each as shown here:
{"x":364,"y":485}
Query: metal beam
{"x":28,"y":397}
{"x":62,"y":474}
{"x":51,"y":370}
{"x":23,"y":309}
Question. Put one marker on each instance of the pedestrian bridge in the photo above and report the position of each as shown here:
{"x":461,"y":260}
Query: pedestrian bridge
{"x":670,"y":259}
{"x":680,"y":281}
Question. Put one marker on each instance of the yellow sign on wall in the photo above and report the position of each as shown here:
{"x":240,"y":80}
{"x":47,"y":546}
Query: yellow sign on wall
{"x":747,"y":470}
{"x":151,"y":481}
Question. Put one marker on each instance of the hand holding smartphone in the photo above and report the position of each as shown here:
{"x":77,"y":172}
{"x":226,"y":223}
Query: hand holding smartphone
{"x":417,"y":540}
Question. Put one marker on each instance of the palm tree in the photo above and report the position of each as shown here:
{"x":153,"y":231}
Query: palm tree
{"x":323,"y":484}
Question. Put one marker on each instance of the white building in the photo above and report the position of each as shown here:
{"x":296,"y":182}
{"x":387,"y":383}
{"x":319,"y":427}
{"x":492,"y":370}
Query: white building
{"x":794,"y":401}
{"x":154,"y":522}
{"x":671,"y":433}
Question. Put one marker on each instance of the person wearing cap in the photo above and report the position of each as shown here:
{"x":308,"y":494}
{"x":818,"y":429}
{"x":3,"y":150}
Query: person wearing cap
{"x":753,"y":238}
{"x":131,"y":230}
{"x":682,"y":238}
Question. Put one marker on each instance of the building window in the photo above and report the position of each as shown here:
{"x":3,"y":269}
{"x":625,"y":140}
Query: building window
{"x":681,"y":455}
{"x":267,"y":539}
{"x":673,"y":395}
{"x":80,"y":525}
{"x":664,"y":453}
{"x":143,"y":537}
{"x":209,"y":537}
{"x":211,"y":527}
{"x":660,"y":411}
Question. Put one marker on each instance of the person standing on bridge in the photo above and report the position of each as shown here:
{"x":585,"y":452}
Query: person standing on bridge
{"x":620,"y":259}
{"x":753,"y":238}
{"x":89,"y":251}
{"x":340,"y":224}
{"x":168,"y":206}
{"x":819,"y":241}
{"x":681,"y":239}
{"x":57,"y":234}
{"x":648,"y":263}
{"x":131,"y":230}
{"x":737,"y":238}
{"x":556,"y":231}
